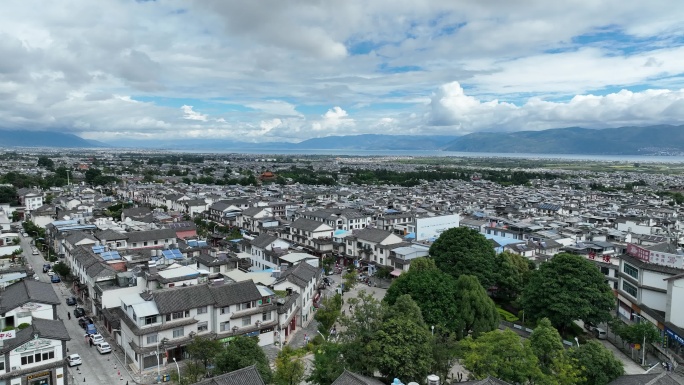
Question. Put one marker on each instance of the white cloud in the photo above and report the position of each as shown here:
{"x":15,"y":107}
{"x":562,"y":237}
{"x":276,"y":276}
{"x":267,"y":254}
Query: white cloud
{"x":333,"y":120}
{"x":189,"y":114}
{"x":452,"y":108}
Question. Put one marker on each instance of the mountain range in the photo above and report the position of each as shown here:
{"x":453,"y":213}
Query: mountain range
{"x":658,"y":140}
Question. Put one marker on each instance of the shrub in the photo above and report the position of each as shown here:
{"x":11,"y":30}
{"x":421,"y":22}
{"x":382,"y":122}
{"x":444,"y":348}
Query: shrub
{"x":23,"y":326}
{"x":507,"y":315}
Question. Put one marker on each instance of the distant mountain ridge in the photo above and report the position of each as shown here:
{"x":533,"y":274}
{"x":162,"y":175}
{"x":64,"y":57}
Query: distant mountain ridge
{"x":662,"y":139}
{"x":25,"y":138}
{"x":650,"y":140}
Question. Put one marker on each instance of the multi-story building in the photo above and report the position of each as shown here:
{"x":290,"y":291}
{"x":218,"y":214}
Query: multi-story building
{"x":156,"y":326}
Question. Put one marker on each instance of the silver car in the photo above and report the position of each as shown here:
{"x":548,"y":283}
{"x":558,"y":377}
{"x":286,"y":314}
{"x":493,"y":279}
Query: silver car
{"x":74,"y":360}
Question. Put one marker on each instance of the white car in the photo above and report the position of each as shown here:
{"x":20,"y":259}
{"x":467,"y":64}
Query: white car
{"x":97,"y":338}
{"x":104,"y":348}
{"x":35,"y":252}
{"x":50,"y":273}
{"x":74,"y":359}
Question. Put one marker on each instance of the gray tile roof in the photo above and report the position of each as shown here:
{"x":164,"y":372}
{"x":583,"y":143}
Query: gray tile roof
{"x":263,"y":240}
{"x":245,"y":376}
{"x":44,"y":328}
{"x":25,"y":291}
{"x":372,"y":235}
{"x":663,"y":378}
{"x":76,"y":237}
{"x":300,"y":275}
{"x":110,"y":235}
{"x":184,"y":298}
{"x":151,"y":235}
{"x":307,"y":224}
{"x":252,"y":211}
{"x":136,"y":212}
{"x":351,"y":378}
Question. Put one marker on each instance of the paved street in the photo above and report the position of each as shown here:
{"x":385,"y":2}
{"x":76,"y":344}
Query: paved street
{"x":96,"y":368}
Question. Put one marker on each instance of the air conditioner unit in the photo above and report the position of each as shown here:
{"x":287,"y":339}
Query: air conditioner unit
{"x":16,"y":368}
{"x":259,"y":302}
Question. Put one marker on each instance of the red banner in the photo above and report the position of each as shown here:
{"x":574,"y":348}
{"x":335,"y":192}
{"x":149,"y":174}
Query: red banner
{"x":639,"y":252}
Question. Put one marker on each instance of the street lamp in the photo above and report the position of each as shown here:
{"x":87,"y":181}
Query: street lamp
{"x":643,"y":346}
{"x":177,"y":367}
{"x":433,"y":330}
{"x":577,"y":340}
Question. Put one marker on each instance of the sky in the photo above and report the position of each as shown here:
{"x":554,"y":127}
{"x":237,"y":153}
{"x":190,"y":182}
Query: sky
{"x":273,"y":70}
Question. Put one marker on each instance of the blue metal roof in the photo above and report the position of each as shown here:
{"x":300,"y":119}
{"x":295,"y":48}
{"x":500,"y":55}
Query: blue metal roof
{"x":196,"y":243}
{"x":110,"y":255}
{"x":98,"y":249}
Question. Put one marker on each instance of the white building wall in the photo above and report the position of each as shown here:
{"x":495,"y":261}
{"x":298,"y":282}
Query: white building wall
{"x":654,"y":279}
{"x":112,"y":298}
{"x":653,"y":299}
{"x":675,"y":311}
{"x":434,"y":226}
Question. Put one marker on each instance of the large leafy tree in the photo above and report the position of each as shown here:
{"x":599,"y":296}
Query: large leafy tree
{"x":433,"y":291}
{"x":360,"y":328}
{"x":328,"y":364}
{"x":546,"y":344}
{"x":289,"y":368}
{"x":500,"y":354}
{"x":568,"y":288}
{"x":404,"y":342}
{"x":204,"y":350}
{"x":241,"y":353}
{"x":476,"y":311}
{"x":461,"y":250}
{"x":513,"y":274}
{"x":328,"y":313}
{"x":598,"y":364}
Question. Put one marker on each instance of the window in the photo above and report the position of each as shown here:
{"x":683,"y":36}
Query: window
{"x":145,"y":243}
{"x":178,"y":332}
{"x":202,"y":326}
{"x":149,"y":320}
{"x":225,"y":310}
{"x":202,"y":310}
{"x":25,"y":360}
{"x":156,"y":242}
{"x":266,"y":316}
{"x":225,"y":326}
{"x":244,"y":306}
{"x":2,"y":363}
{"x":631,"y":271}
{"x":629,"y":289}
{"x":152,"y":339}
{"x":176,"y":315}
{"x":246,"y":321}
{"x":605,"y":271}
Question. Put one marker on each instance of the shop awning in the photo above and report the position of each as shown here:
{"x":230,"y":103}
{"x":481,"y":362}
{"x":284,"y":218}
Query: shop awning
{"x":395,"y":273}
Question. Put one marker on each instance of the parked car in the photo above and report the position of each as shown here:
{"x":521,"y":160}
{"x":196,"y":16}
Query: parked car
{"x":96,"y":338}
{"x":589,"y":326}
{"x":83,"y":322}
{"x":35,"y":252}
{"x":104,"y":348}
{"x":91,"y":330}
{"x":79,"y":312}
{"x":71,"y":301}
{"x":50,"y":272}
{"x":55,"y":279}
{"x":600,"y":333}
{"x":74,"y":359}
{"x":46,"y":267}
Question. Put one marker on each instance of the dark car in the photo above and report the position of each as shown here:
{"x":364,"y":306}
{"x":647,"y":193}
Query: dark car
{"x":55,"y":279}
{"x":71,"y":301}
{"x":46,"y":267}
{"x":79,"y":312}
{"x":82,"y":322}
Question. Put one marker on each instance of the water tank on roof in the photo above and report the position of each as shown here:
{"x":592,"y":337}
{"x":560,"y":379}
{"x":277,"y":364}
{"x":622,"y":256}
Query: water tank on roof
{"x":124,"y":279}
{"x":433,"y":379}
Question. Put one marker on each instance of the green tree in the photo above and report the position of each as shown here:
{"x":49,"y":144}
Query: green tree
{"x":328,"y":313}
{"x":241,"y":353}
{"x":358,"y":333}
{"x":350,"y":279}
{"x":465,"y":251}
{"x":328,"y":364}
{"x":598,"y":364}
{"x":404,"y":342}
{"x":434,"y":291}
{"x":639,"y":332}
{"x":513,"y":274}
{"x":500,"y":354}
{"x":476,"y":311}
{"x":204,"y":350}
{"x":8,"y":194}
{"x":444,"y":354}
{"x":44,"y":161}
{"x":91,"y":174}
{"x":546,"y":344}
{"x":289,"y":368}
{"x":62,"y":269}
{"x":565,"y":289}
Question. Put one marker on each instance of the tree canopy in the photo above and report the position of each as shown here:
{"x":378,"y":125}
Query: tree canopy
{"x":513,"y":274}
{"x":598,"y":364}
{"x":476,"y":311}
{"x":462,"y":250}
{"x":359,"y":331}
{"x":433,"y":291}
{"x":568,"y":288}
{"x":241,"y":353}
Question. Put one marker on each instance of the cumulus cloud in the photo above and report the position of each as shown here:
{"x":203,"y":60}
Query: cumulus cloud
{"x":332,"y":120}
{"x":452,"y":107}
{"x":189,"y":114}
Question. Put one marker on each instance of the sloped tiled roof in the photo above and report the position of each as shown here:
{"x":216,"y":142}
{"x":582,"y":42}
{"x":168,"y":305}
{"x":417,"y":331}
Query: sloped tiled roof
{"x":44,"y":328}
{"x":150,"y":235}
{"x":245,"y":376}
{"x":24,"y":291}
{"x":110,"y":235}
{"x":263,"y":240}
{"x":307,"y":224}
{"x":234,"y":293}
{"x":351,"y":378}
{"x":372,"y":235}
{"x":663,"y":378}
{"x":300,"y":275}
{"x":182,"y":298}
